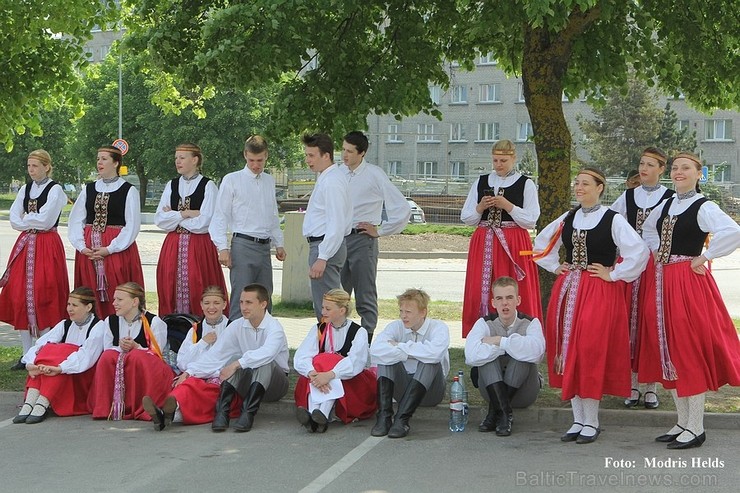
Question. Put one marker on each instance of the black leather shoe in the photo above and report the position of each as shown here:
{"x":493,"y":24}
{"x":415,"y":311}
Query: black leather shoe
{"x":633,"y":402}
{"x":586,"y":439}
{"x":695,"y":442}
{"x":322,"y":423}
{"x":32,"y":420}
{"x":21,"y":418}
{"x":651,"y":405}
{"x":168,"y":409}
{"x":18,"y":366}
{"x":572,"y":436}
{"x":669,"y":437}
{"x":152,"y":410}
{"x":304,"y":418}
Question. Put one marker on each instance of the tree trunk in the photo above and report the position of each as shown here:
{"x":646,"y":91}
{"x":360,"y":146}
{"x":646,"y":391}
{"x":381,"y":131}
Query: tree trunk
{"x":143,"y":184}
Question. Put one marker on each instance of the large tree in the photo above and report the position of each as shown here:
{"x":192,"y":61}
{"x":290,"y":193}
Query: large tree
{"x":343,"y":59}
{"x":41,"y":42}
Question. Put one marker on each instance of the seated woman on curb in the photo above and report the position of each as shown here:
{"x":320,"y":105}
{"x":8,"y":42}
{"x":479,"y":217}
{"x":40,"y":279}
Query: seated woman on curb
{"x":131,"y":364}
{"x":192,"y":400}
{"x":54,"y":376}
{"x":331,"y":361}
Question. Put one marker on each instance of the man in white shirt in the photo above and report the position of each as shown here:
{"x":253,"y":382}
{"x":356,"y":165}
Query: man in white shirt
{"x":250,"y":358}
{"x":369,"y":190}
{"x":504,"y":348}
{"x":246,"y":206}
{"x":413,"y":361}
{"x":328,"y":219}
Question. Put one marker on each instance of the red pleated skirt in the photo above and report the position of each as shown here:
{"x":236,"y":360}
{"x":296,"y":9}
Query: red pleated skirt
{"x":197,"y":400}
{"x":646,"y":347}
{"x":119,"y":267}
{"x":598,"y":357}
{"x":200,"y":269}
{"x":48,"y":294}
{"x":144,"y":374}
{"x":67,"y":393}
{"x":701,"y":338}
{"x":518,"y":240}
{"x":359,"y":400}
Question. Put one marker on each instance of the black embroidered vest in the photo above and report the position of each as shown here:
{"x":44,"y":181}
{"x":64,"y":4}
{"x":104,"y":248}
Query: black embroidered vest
{"x":635,"y":215}
{"x":590,"y":246}
{"x":193,"y":201}
{"x":513,"y":193}
{"x":35,"y":205}
{"x":684,"y":227}
{"x":68,"y":324}
{"x":351,"y":333}
{"x":113,"y":322}
{"x":115,"y":209}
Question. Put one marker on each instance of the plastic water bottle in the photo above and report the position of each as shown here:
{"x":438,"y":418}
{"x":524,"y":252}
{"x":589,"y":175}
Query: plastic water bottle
{"x":457,"y":420}
{"x":466,"y":409}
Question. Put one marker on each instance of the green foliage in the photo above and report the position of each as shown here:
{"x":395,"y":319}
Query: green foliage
{"x":670,"y":138}
{"x":41,"y":44}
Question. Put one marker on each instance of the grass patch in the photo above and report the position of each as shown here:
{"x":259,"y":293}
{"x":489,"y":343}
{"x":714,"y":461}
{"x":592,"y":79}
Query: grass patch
{"x":447,"y":229}
{"x":11,"y":380}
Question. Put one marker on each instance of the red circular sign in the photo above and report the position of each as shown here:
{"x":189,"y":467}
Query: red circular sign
{"x":121,"y":145}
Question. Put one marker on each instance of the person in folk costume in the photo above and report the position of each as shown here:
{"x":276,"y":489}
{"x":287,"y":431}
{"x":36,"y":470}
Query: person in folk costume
{"x":103,"y":225}
{"x":35,"y":283}
{"x":131,"y":364}
{"x":333,"y":355}
{"x":587,"y":324}
{"x":698,"y":345}
{"x":54,"y":376}
{"x":632,"y":180}
{"x":504,"y":348}
{"x":503,"y":205}
{"x":635,"y":205}
{"x":192,"y":399}
{"x":249,"y":359}
{"x":412,"y":355}
{"x":188,"y":261}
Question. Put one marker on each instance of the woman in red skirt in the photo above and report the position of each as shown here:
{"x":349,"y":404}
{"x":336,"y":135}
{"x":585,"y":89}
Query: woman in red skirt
{"x":503,"y":205}
{"x":587,"y":325}
{"x":188,"y":261}
{"x":635,"y":205}
{"x":131,"y":365}
{"x":103,"y":225}
{"x":54,"y":376}
{"x":331,"y":364}
{"x":35,"y":283}
{"x":193,"y":400}
{"x":697,"y":341}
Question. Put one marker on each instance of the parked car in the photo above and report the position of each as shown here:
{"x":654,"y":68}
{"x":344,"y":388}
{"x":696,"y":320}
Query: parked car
{"x":417,"y":213}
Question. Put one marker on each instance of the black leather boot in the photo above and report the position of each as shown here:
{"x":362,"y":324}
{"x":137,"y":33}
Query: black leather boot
{"x":223,"y":406}
{"x":504,"y":415}
{"x":249,"y":407}
{"x":385,"y":408}
{"x":411,"y":399}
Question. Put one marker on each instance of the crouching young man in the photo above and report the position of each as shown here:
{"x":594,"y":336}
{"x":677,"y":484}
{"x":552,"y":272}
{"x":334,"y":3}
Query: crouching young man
{"x":413,"y":362}
{"x":504,"y":348}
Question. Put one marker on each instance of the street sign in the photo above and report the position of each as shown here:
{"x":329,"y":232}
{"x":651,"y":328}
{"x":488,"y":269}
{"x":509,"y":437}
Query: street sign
{"x":704,"y":174}
{"x":121,"y":145}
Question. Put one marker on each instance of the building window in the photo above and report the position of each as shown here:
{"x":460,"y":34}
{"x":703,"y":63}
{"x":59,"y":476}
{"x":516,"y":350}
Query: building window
{"x":718,"y":129}
{"x":394,"y":132}
{"x":719,"y":172}
{"x":490,"y":93}
{"x":459,"y":94}
{"x":457,"y":169}
{"x":427,"y":169}
{"x":487,"y":59}
{"x":457,"y":133}
{"x":394,"y":168}
{"x":523,"y":131}
{"x":426,"y":133}
{"x":520,"y":93}
{"x":435,"y":94}
{"x":104,"y":50}
{"x":683,"y":124}
{"x":488,"y":132}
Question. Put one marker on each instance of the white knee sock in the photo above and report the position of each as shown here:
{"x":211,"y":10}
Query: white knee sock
{"x":325,"y":407}
{"x":695,"y":404}
{"x":576,"y":403}
{"x":590,"y":417}
{"x":31,"y":397}
{"x":42,"y":404}
{"x":682,"y":412}
{"x":178,"y":415}
{"x":651,"y":387}
{"x":26,"y":340}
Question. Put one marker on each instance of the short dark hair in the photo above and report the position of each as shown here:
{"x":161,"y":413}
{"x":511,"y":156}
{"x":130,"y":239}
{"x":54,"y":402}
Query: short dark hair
{"x":357,"y":139}
{"x":256,"y":144}
{"x":322,"y":141}
{"x":262,"y":294}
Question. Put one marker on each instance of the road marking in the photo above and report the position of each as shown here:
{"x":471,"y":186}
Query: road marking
{"x":342,"y":465}
{"x":5,"y":423}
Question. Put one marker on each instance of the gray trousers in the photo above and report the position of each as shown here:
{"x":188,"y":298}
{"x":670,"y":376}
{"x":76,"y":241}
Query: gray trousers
{"x":359,"y":274}
{"x":332,"y":274}
{"x":271,"y":376}
{"x":428,"y":374}
{"x":514,"y":373}
{"x":250,"y":263}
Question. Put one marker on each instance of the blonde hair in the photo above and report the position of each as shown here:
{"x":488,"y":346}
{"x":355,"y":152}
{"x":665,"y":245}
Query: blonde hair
{"x":43,"y":157}
{"x":504,"y":147}
{"x":505,"y":282}
{"x":193,"y":149}
{"x":213,"y":290}
{"x":418,"y":296}
{"x":134,"y":290}
{"x":340,"y":298}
